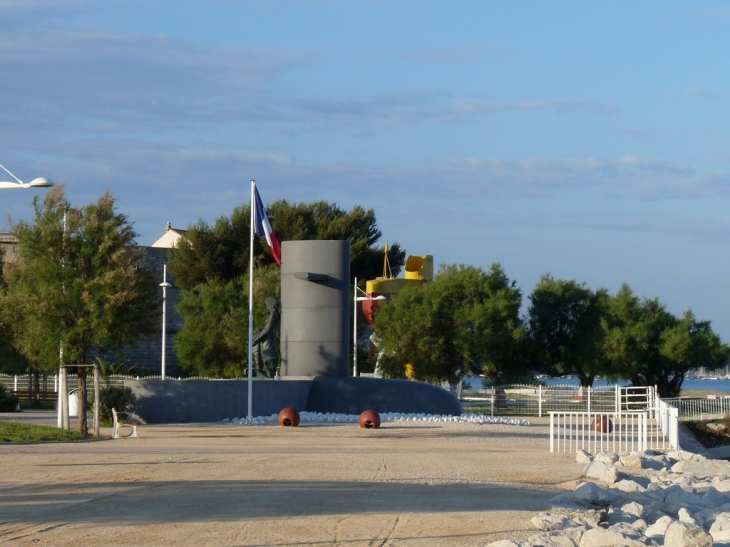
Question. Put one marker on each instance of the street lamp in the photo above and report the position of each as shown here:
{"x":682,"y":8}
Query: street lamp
{"x":165,"y":285}
{"x":356,"y":300}
{"x":40,"y":182}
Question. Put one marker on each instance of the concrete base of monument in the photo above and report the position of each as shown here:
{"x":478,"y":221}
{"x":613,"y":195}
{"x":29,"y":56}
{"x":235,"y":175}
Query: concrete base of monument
{"x":348,"y":395}
{"x":206,"y":401}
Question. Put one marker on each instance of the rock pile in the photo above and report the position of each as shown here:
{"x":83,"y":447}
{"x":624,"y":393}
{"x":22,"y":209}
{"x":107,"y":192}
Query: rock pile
{"x":675,"y":499}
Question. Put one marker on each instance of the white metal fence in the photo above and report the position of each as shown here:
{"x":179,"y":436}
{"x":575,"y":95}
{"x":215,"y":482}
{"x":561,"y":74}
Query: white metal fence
{"x":667,"y":418}
{"x":532,"y":400}
{"x":48,"y":383}
{"x":599,"y":432}
{"x":640,"y":421}
{"x":701,"y":408}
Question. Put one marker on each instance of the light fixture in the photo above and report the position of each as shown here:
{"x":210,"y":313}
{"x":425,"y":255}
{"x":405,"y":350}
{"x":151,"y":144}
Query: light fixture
{"x":40,"y":182}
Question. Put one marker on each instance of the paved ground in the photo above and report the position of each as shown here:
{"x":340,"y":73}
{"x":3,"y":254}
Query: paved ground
{"x":405,"y":484}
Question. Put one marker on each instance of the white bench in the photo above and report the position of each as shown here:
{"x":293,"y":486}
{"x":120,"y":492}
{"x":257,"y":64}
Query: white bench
{"x":125,"y":424}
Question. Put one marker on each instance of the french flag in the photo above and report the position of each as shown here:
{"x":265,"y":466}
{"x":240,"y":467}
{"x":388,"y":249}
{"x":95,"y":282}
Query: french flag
{"x":263,"y":227}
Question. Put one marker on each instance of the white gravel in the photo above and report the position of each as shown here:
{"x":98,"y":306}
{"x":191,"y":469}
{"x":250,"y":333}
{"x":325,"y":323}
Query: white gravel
{"x":319,"y":417}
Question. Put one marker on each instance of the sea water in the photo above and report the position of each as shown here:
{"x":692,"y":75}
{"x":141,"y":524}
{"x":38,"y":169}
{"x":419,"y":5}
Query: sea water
{"x":691,"y":384}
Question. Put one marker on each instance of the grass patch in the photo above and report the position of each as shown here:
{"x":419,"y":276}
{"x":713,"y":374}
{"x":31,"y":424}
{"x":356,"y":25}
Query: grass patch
{"x":17,"y":432}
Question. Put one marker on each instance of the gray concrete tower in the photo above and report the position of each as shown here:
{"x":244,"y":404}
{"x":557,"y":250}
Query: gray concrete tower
{"x":315,"y":308}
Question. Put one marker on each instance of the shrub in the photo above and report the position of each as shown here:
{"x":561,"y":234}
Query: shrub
{"x":118,"y":397}
{"x":8,"y":401}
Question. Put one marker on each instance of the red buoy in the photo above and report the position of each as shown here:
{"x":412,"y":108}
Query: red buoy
{"x":369,"y":419}
{"x":288,"y":417}
{"x":602,"y":424}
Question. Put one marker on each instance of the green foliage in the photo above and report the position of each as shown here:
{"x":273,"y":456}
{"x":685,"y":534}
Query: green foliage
{"x":11,"y":361}
{"x":323,"y":220}
{"x":651,"y":347}
{"x":211,"y":269}
{"x":565,"y":328}
{"x":17,"y":432}
{"x":8,"y":401}
{"x":80,"y":281}
{"x":114,"y":368}
{"x":493,"y":334}
{"x":214,"y":341}
{"x":118,"y":397}
{"x":577,"y":331}
{"x":221,"y":251}
{"x":465,"y":319}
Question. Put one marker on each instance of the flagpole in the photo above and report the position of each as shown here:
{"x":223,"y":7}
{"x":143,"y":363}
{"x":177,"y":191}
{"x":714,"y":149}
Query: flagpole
{"x":250,"y":305}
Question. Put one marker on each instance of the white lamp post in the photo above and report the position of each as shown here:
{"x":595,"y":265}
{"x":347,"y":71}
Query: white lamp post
{"x":165,"y":285}
{"x":357,"y":299}
{"x":40,"y":182}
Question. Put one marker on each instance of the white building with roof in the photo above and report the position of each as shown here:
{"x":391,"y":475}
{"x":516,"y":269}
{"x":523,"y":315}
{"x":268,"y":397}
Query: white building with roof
{"x":170,"y":238}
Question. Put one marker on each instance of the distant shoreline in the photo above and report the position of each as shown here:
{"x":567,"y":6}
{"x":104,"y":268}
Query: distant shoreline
{"x":691,"y":387}
{"x":703,"y":393}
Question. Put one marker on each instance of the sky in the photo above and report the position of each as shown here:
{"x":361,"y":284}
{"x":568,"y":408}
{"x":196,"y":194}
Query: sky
{"x":586,"y":140}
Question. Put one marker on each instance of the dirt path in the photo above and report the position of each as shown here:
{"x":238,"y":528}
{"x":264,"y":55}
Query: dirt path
{"x":407,"y":484}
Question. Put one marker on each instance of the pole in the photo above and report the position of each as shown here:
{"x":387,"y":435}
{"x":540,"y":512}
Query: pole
{"x":97,"y":394}
{"x":164,"y":286}
{"x":59,"y":403}
{"x":354,"y":334}
{"x":250,"y":305}
{"x":64,"y":398}
{"x":63,"y":391}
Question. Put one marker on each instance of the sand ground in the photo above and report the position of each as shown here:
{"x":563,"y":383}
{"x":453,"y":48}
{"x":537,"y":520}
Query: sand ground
{"x":406,"y":484}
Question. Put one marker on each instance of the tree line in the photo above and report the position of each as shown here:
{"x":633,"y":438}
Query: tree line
{"x":469,"y":319}
{"x":81,"y":288}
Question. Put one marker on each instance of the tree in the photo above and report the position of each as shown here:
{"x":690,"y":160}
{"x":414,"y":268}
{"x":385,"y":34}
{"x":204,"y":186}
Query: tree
{"x":632,"y":336}
{"x":495,"y":335}
{"x":211,"y":268}
{"x":565,"y":328}
{"x":651,"y":347}
{"x":690,"y":344}
{"x":221,"y":251}
{"x":79,"y":284}
{"x":220,"y":308}
{"x":466,"y":319}
{"x":11,"y":362}
{"x":415,"y":332}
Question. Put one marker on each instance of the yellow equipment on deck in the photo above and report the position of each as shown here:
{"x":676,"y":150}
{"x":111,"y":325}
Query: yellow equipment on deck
{"x":418,"y":269}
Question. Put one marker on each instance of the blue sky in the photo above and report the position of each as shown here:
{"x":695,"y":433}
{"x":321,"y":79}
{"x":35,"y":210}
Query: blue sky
{"x":587,"y":140}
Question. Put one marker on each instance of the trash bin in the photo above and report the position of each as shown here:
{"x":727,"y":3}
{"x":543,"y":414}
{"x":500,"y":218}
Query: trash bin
{"x":73,"y":403}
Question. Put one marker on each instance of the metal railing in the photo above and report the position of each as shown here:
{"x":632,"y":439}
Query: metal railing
{"x":639,"y":421}
{"x":49,"y":383}
{"x":667,"y":418}
{"x":700,"y":408}
{"x":532,"y":400}
{"x":610,"y":432}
